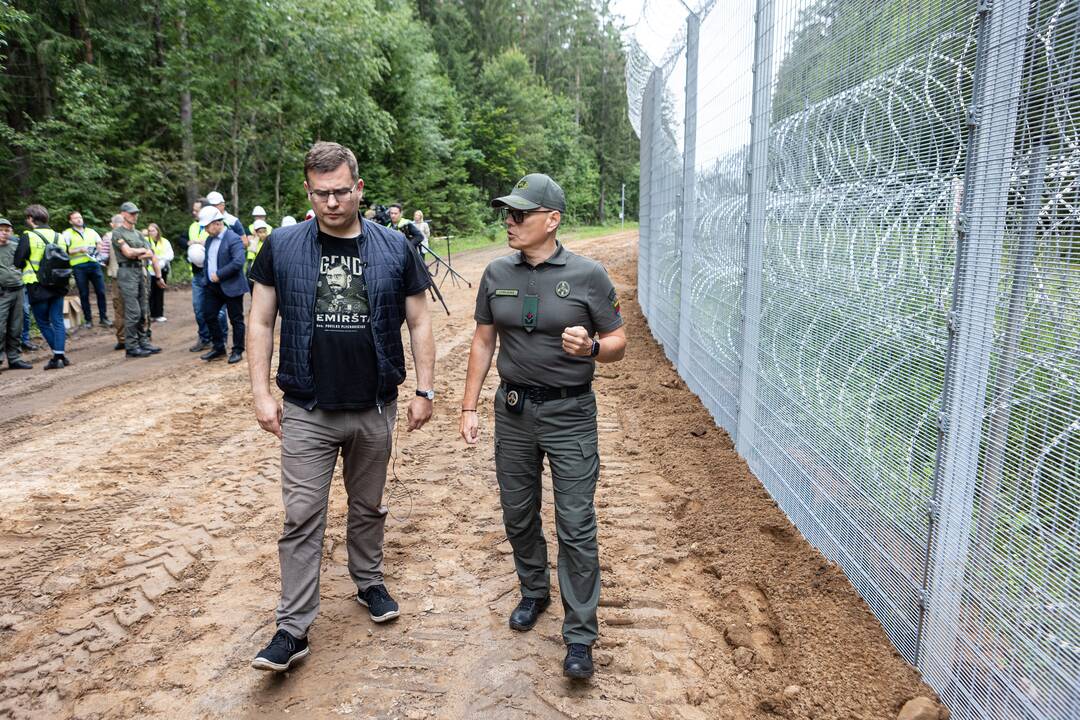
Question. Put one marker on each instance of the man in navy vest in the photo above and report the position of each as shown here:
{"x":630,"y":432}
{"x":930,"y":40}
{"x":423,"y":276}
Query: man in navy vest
{"x":343,"y":286}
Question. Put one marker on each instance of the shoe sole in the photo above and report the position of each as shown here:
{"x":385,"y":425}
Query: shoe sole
{"x":261,"y":663}
{"x":379,"y":618}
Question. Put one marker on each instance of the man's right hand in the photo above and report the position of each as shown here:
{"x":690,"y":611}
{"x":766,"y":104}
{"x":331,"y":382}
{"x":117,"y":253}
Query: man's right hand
{"x":268,"y":413}
{"x":469,"y":427}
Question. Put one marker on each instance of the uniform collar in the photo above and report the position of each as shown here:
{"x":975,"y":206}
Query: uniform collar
{"x":557,"y":258}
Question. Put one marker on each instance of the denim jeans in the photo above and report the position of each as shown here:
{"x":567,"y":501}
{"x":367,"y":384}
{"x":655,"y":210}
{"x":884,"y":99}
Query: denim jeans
{"x":50,"y":319}
{"x":26,"y":318}
{"x":86,"y":274}
{"x":198,"y":291}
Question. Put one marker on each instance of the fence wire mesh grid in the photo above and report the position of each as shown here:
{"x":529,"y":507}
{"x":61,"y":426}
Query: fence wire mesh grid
{"x":860,"y":246}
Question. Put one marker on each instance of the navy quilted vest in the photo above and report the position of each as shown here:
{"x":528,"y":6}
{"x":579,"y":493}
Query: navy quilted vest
{"x":296,"y":255}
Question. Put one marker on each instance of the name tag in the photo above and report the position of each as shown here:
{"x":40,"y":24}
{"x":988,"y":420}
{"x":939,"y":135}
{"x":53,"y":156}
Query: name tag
{"x":506,"y":293}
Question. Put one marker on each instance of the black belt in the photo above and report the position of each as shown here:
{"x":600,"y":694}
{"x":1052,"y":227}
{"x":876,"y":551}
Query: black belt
{"x":542,"y":394}
{"x":131,"y":264}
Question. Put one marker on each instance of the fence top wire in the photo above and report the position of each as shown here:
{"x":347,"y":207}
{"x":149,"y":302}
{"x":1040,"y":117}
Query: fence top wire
{"x":655,"y":36}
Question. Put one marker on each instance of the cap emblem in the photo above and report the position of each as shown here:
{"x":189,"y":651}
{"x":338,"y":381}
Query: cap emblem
{"x":522,"y":184}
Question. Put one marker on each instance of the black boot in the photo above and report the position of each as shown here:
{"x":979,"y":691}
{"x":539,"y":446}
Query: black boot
{"x":527,"y":612}
{"x":578,"y":663}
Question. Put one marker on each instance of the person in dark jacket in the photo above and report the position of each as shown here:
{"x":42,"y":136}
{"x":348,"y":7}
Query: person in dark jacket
{"x":225,"y":283}
{"x":343,"y":286}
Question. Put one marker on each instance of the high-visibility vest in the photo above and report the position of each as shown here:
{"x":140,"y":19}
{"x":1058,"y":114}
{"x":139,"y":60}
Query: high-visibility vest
{"x":158,"y":248}
{"x":254,"y":247}
{"x":37,"y":251}
{"x":86,"y":241}
{"x":195,"y":233}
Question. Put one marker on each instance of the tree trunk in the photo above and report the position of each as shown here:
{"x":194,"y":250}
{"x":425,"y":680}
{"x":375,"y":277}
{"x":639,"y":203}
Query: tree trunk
{"x":187,"y":136}
{"x":83,"y":30}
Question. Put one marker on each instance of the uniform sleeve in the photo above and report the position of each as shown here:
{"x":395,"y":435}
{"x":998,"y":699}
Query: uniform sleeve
{"x":482,"y":314}
{"x":262,"y":270}
{"x":604,"y":306}
{"x":417,"y":278}
{"x":22,"y":252}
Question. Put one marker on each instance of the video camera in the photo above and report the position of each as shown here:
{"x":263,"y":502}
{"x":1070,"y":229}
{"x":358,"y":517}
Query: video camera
{"x":382,"y":215}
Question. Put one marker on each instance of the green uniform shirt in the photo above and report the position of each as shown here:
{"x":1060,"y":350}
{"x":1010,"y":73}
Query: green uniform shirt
{"x":134,"y":240}
{"x":10,"y":277}
{"x":563,"y":291}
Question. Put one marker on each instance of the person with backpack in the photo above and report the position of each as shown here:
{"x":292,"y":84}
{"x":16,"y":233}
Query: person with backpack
{"x":46,"y":277}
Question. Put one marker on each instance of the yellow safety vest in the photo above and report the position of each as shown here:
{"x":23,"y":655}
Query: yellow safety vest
{"x":254,"y":247}
{"x":86,"y":241}
{"x":37,"y":251}
{"x":156,"y":248}
{"x":195,"y":233}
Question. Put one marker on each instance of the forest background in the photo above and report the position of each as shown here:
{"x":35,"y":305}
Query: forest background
{"x":445,"y":103}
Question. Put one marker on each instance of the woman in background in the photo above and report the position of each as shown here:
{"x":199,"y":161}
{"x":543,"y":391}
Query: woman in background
{"x":164,"y":251}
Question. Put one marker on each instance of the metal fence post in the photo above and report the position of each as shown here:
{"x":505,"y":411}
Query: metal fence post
{"x":689,"y":191}
{"x":987,"y":176}
{"x":645,"y":191}
{"x":757,"y":200}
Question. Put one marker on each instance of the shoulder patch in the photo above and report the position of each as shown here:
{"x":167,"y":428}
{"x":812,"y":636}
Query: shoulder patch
{"x":613,"y":298}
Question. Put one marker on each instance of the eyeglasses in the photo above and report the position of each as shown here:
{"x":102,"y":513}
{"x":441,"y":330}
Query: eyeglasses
{"x":341,"y":194}
{"x":518,"y":216}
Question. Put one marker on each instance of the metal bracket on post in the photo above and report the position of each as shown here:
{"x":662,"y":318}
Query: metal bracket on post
{"x":688,"y":225}
{"x":996,"y":92}
{"x":757,"y":200}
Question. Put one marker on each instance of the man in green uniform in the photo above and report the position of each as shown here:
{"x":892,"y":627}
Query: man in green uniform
{"x":11,"y":299}
{"x":132,"y":251}
{"x":554,"y":314}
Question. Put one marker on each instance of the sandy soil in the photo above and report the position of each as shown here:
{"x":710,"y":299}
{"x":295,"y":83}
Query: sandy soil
{"x":138,"y":564}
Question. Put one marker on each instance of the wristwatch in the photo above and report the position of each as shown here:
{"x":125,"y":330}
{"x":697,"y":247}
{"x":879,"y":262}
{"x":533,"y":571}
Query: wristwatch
{"x":595,"y":348}
{"x":429,"y":394}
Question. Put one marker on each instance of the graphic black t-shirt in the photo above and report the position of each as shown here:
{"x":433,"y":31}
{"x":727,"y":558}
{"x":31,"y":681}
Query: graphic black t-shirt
{"x":342,"y":346}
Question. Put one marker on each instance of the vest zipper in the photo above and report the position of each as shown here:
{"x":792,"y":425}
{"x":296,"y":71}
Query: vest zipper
{"x":371,"y":321}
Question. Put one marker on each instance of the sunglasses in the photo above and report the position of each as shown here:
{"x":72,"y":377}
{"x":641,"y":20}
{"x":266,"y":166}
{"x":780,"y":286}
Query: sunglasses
{"x":519,"y":215}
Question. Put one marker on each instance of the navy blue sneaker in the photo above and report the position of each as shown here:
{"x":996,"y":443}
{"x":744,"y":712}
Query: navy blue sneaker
{"x":380,"y":605}
{"x":281,"y":653}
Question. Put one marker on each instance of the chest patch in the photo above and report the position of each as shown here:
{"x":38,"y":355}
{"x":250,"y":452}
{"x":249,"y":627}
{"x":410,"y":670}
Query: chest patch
{"x":562,"y":289}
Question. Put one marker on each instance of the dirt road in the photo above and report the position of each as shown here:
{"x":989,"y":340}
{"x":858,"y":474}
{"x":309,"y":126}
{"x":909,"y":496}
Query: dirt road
{"x":138,"y":564}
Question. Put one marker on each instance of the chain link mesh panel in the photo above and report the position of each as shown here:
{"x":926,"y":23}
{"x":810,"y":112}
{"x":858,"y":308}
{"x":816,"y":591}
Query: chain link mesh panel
{"x":883,"y":269}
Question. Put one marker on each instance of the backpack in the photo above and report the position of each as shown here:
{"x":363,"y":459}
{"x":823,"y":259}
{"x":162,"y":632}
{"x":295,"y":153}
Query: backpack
{"x":54,"y":269}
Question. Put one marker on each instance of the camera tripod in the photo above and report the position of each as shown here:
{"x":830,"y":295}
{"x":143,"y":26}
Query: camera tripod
{"x":433,"y":268}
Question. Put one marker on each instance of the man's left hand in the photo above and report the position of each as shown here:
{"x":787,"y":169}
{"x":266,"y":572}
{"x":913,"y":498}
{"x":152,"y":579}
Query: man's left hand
{"x":214,"y":277}
{"x":161,"y":283}
{"x":419,"y":413}
{"x":576,"y":341}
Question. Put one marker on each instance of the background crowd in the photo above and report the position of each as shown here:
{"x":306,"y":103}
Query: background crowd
{"x":128,"y":266}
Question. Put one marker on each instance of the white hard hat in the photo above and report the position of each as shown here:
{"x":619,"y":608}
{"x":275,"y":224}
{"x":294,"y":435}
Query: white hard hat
{"x":209,"y":214}
{"x":259,"y":225}
{"x":215,"y":198}
{"x":258,"y":211}
{"x":287,"y":221}
{"x":196,"y":255}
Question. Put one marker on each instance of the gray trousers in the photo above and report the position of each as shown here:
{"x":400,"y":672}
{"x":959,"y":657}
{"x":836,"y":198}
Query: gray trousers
{"x":311,"y":442}
{"x":135,"y":292}
{"x":564,"y":431}
{"x":11,"y":320}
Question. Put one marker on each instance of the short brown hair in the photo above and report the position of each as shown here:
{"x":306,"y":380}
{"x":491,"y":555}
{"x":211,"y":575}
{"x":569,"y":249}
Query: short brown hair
{"x":329,"y":156}
{"x":37,"y":213}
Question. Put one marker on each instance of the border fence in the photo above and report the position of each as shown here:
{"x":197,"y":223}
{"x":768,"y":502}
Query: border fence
{"x":860,"y":246}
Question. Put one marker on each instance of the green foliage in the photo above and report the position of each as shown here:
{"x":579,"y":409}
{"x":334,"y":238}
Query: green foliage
{"x":445,"y":103}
